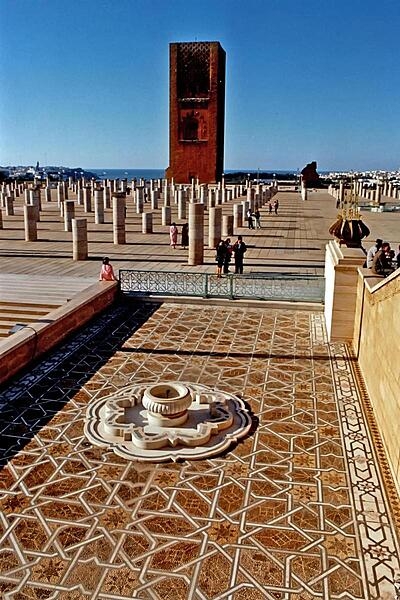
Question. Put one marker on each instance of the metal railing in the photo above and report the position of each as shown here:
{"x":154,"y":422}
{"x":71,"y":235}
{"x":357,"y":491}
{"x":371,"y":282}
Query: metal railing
{"x":260,"y":286}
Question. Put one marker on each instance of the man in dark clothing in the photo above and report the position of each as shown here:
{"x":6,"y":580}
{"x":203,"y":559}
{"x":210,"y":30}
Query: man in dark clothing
{"x":380,"y":262}
{"x":239,"y":249}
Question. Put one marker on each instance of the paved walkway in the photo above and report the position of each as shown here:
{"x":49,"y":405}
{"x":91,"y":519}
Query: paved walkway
{"x":292,"y":241}
{"x":299,"y":510}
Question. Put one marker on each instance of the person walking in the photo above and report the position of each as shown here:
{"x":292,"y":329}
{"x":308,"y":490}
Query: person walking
{"x":173,"y":235}
{"x":249,"y":216}
{"x":276,"y":206}
{"x":258,"y":218}
{"x":239,"y":248}
{"x":185,"y":236}
{"x":270,"y":207}
{"x":106,"y":271}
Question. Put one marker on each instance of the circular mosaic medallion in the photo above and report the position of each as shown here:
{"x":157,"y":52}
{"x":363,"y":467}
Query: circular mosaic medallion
{"x":167,"y":421}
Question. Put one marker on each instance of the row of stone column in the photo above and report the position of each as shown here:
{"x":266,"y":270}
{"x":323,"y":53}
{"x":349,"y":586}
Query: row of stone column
{"x":385,"y":188}
{"x":218,"y":224}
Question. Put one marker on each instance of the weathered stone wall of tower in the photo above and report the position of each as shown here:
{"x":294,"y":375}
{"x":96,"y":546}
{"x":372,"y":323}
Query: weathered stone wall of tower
{"x":197,"y":112}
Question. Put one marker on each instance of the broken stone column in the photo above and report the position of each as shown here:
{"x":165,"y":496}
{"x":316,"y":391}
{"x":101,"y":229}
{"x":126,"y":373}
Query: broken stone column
{"x":165,"y":215}
{"x":139,"y":200}
{"x":203,"y":193}
{"x":60,"y":193}
{"x":69,"y":214}
{"x":214,"y":226}
{"x":237,"y":216}
{"x":304,"y":192}
{"x":99,"y":206}
{"x":118,"y":207}
{"x":196,"y":234}
{"x":181,"y":205}
{"x":9,"y":206}
{"x":167,"y":199}
{"x":106,"y":197}
{"x":211,"y":198}
{"x":147,"y":223}
{"x":34,"y":201}
{"x":79,"y":239}
{"x":30,"y":223}
{"x":227,"y":226}
{"x":87,"y":200}
{"x":154,"y":199}
{"x":378,"y":193}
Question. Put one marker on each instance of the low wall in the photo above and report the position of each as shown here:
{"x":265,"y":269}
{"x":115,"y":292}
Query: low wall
{"x":341,"y":265}
{"x":20,"y":348}
{"x":376,"y":346}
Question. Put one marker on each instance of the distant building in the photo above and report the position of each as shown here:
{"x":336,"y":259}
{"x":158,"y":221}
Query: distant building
{"x":197,"y":112}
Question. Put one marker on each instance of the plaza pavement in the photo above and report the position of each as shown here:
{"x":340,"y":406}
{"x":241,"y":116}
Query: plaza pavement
{"x":303,"y":508}
{"x":292,"y":241}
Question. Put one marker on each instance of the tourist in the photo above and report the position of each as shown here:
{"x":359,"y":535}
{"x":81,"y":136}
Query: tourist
{"x":391,"y":256}
{"x":372,"y":251}
{"x":185,"y":236}
{"x":257,"y":217}
{"x":249,"y":216}
{"x":228,"y":255}
{"x":398,"y":259}
{"x":173,"y":235}
{"x":276,"y":206}
{"x":220,"y":256}
{"x":239,"y":249}
{"x":270,"y":207}
{"x":381,"y":264}
{"x":106,"y":271}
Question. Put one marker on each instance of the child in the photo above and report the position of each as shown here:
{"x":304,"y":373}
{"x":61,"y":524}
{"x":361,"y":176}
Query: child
{"x":107,"y":272}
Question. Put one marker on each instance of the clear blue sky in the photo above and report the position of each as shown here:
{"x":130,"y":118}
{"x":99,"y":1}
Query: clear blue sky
{"x":85,"y":82}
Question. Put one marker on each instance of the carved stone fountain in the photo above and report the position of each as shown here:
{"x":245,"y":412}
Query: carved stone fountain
{"x":167,"y":421}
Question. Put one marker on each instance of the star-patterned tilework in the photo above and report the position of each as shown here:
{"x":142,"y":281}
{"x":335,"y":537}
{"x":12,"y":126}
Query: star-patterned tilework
{"x":299,"y":510}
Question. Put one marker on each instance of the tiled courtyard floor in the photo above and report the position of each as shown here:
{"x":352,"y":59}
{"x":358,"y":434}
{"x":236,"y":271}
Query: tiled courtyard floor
{"x":298,"y":510}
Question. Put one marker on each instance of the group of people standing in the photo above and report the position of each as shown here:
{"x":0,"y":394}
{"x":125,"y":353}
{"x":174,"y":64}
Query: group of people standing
{"x":254,"y":218}
{"x":224,"y":252}
{"x":173,"y":235}
{"x":381,"y":259}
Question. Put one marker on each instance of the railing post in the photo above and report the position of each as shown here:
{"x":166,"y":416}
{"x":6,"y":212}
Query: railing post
{"x":206,"y":286}
{"x":231,"y":290}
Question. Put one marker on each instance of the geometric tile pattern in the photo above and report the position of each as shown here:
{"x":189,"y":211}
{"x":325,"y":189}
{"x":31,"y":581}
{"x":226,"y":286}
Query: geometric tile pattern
{"x":298,"y":510}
